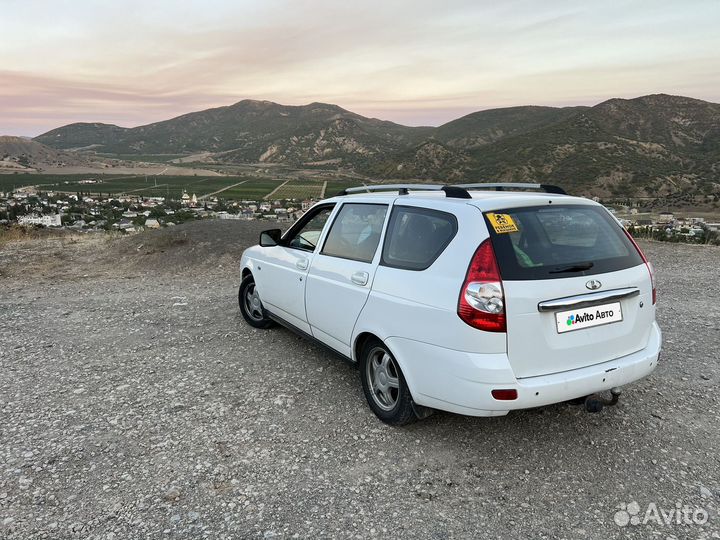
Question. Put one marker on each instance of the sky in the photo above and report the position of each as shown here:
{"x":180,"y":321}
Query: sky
{"x":415,"y":62}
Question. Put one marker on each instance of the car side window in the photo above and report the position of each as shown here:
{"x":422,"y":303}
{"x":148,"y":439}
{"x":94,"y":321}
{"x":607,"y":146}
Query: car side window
{"x":416,"y":237}
{"x":307,"y":236}
{"x":355,"y":233}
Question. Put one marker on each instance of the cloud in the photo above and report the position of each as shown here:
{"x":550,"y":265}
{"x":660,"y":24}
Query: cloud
{"x":415,"y":61}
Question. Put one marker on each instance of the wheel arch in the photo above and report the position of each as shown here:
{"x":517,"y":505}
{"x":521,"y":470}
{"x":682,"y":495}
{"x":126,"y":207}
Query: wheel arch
{"x":363,"y":337}
{"x":360,"y":340}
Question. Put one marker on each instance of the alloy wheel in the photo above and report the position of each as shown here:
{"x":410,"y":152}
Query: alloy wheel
{"x":253,"y":305}
{"x":383,"y":380}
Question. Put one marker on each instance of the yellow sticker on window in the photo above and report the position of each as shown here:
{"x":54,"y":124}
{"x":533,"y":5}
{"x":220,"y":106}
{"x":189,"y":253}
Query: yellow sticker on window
{"x":502,"y":223}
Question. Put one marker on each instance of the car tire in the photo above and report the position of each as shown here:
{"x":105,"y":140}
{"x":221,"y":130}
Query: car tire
{"x":384,"y":385}
{"x":250,"y":305}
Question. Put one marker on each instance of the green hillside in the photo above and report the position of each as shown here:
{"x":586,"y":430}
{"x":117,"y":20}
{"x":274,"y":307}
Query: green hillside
{"x":250,"y":131}
{"x":656,"y":144}
{"x":486,"y":127}
{"x":646,"y":146}
{"x":83,"y":135}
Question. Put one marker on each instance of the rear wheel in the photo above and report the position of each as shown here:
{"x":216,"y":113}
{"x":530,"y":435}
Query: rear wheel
{"x":384,"y":385}
{"x":250,"y":305}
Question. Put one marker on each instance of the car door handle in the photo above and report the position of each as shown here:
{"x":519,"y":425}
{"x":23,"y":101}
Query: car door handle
{"x":302,"y":264}
{"x":360,"y":278}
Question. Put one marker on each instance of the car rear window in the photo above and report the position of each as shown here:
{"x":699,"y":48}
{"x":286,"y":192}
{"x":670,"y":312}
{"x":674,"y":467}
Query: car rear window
{"x":547,"y":242}
{"x":416,"y":237}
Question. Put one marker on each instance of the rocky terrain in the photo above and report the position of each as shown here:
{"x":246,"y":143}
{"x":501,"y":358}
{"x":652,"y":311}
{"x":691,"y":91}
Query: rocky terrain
{"x":24,"y":155}
{"x":20,"y":155}
{"x":248,"y":131}
{"x":656,"y":145}
{"x":135,"y":403}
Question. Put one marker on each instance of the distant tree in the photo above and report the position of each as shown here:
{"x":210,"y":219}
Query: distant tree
{"x":158,"y":212}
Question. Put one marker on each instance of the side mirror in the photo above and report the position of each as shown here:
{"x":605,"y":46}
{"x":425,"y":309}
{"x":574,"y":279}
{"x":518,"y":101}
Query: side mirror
{"x":270,"y":238}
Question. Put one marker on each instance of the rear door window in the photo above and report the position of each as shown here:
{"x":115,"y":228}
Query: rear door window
{"x":549,"y":242}
{"x":355,"y":232}
{"x":416,"y":237}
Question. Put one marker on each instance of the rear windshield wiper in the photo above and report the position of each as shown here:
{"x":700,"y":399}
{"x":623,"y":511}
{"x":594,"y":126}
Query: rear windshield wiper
{"x":572,"y":268}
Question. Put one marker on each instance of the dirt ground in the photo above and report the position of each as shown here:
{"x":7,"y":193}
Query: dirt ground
{"x":135,"y":403}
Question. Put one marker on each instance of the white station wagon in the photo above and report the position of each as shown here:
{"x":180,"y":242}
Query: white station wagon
{"x":474,"y":299}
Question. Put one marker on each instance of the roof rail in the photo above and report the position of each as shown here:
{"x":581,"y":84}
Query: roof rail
{"x":502,"y":186}
{"x":456,"y":191}
{"x":402,"y":189}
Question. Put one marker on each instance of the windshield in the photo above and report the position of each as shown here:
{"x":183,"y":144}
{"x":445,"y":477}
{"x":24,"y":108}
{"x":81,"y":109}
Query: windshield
{"x":546,"y":242}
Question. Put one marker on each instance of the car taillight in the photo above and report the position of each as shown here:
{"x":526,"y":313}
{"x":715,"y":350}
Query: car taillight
{"x":482,"y":300}
{"x":647,"y":263}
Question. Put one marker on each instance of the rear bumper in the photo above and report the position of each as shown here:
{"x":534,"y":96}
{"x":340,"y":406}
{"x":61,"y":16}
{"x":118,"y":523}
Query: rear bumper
{"x":462,"y":382}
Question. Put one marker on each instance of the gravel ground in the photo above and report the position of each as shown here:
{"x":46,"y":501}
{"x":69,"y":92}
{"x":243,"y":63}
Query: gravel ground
{"x":135,"y":403}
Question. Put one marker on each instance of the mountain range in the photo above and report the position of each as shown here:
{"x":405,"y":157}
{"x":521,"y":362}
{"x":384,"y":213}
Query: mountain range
{"x":18,"y":154}
{"x":655,"y":144}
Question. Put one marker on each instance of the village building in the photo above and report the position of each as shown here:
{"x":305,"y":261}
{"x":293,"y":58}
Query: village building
{"x":666,"y":217}
{"x":48,"y":220}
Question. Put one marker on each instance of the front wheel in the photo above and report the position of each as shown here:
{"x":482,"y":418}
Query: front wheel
{"x":384,"y":386}
{"x":250,"y":305}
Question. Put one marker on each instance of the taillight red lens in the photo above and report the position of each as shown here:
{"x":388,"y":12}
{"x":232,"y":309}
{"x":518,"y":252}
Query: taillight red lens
{"x":647,"y":263}
{"x":505,"y":394}
{"x":482,"y":299}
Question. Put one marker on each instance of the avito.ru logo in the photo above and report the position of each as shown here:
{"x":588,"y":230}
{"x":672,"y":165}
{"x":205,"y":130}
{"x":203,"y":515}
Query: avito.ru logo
{"x":580,"y":317}
{"x":586,"y":317}
{"x":681,"y":514}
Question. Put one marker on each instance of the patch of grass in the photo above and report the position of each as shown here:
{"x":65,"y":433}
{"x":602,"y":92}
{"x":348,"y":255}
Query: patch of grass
{"x":336,"y":186}
{"x":14,"y":233}
{"x":301,"y":189}
{"x":19,"y":233}
{"x":162,"y":241}
{"x":153,"y":186}
{"x":253,"y":190}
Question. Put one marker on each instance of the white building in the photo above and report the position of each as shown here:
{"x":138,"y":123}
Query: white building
{"x":665,"y":217}
{"x":49,"y":220}
{"x":228,"y":215}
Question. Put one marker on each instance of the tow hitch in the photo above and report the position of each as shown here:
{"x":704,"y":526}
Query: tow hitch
{"x":595,"y":402}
